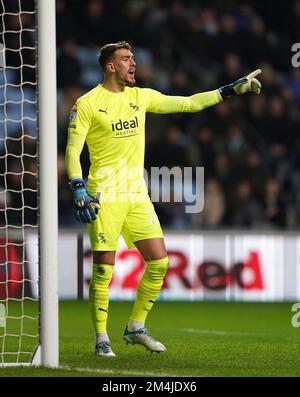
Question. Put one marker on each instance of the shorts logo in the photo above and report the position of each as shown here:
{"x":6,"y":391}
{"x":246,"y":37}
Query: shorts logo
{"x":152,"y":220}
{"x":102,"y":238}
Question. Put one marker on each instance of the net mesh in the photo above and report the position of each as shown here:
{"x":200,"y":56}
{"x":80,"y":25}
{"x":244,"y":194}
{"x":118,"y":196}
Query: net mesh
{"x":19,"y":312}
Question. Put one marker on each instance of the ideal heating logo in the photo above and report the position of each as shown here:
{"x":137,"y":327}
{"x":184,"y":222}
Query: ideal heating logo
{"x":125,"y":128}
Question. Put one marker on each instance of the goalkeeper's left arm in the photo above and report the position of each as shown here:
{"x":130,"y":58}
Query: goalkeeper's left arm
{"x":74,"y":148}
{"x":86,"y":206}
{"x":159,"y":103}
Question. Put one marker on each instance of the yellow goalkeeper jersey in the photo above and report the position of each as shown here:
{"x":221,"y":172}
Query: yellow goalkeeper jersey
{"x":113,"y":126}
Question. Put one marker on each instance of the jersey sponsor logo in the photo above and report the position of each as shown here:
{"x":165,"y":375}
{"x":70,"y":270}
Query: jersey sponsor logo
{"x":127,"y":127}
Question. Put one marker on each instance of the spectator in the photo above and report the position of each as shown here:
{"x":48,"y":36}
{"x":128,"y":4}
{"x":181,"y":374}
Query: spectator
{"x":68,"y":67}
{"x":274,"y":208}
{"x":214,"y":206}
{"x":246,"y":211}
{"x":174,"y":152}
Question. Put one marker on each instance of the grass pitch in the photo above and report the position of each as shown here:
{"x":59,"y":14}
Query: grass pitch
{"x":202,"y":338}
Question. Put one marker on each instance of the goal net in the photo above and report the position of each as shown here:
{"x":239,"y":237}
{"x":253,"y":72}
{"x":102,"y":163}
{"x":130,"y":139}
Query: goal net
{"x":20,"y":306}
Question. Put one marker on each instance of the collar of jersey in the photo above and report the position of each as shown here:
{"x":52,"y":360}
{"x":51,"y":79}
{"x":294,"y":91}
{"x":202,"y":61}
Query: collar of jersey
{"x":111,"y":92}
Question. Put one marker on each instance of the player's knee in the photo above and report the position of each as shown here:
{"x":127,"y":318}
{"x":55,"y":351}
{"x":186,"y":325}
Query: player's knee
{"x":107,"y":257}
{"x":158,"y":268}
{"x":102,"y":273}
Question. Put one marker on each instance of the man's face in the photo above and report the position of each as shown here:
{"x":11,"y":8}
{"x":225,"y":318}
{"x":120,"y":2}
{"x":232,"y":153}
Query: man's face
{"x":123,"y":65}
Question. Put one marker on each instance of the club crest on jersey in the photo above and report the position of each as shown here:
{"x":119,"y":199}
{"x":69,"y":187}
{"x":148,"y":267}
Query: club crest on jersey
{"x":125,"y":127}
{"x":133,"y":106}
{"x":102,"y":238}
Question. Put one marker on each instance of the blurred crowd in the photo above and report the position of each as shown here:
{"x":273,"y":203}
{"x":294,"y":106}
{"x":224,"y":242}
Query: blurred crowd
{"x":18,"y":115}
{"x":249,"y":146}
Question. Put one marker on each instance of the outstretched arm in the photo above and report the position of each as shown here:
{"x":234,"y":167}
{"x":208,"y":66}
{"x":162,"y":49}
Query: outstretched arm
{"x":159,"y":103}
{"x":164,"y":104}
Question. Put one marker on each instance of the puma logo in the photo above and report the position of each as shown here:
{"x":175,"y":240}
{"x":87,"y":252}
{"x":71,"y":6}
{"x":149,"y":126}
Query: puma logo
{"x":103,"y":110}
{"x":103,"y":310}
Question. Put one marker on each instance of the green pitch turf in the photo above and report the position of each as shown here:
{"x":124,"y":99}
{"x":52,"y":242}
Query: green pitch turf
{"x":202,"y":339}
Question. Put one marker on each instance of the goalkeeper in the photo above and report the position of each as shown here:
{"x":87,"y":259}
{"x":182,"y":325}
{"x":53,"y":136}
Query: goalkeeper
{"x":111,"y":120}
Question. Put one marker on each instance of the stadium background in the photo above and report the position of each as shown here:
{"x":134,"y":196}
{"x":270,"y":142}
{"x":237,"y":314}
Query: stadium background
{"x":249,"y":148}
{"x":248,"y":145}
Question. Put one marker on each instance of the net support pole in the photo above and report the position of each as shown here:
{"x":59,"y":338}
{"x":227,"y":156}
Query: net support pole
{"x":48,"y":184}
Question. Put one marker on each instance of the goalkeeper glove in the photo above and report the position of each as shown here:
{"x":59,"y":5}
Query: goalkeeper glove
{"x":245,"y":84}
{"x":83,"y":202}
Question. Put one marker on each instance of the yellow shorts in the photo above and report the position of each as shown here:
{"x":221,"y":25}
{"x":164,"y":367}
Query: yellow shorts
{"x":132,"y":215}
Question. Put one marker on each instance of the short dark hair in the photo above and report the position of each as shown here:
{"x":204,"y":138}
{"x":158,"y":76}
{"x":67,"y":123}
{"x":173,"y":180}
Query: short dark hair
{"x":108,"y":50}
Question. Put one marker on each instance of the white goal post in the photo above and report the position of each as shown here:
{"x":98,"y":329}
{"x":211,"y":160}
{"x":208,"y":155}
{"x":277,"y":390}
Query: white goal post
{"x":48,"y":183}
{"x":28,"y":184}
